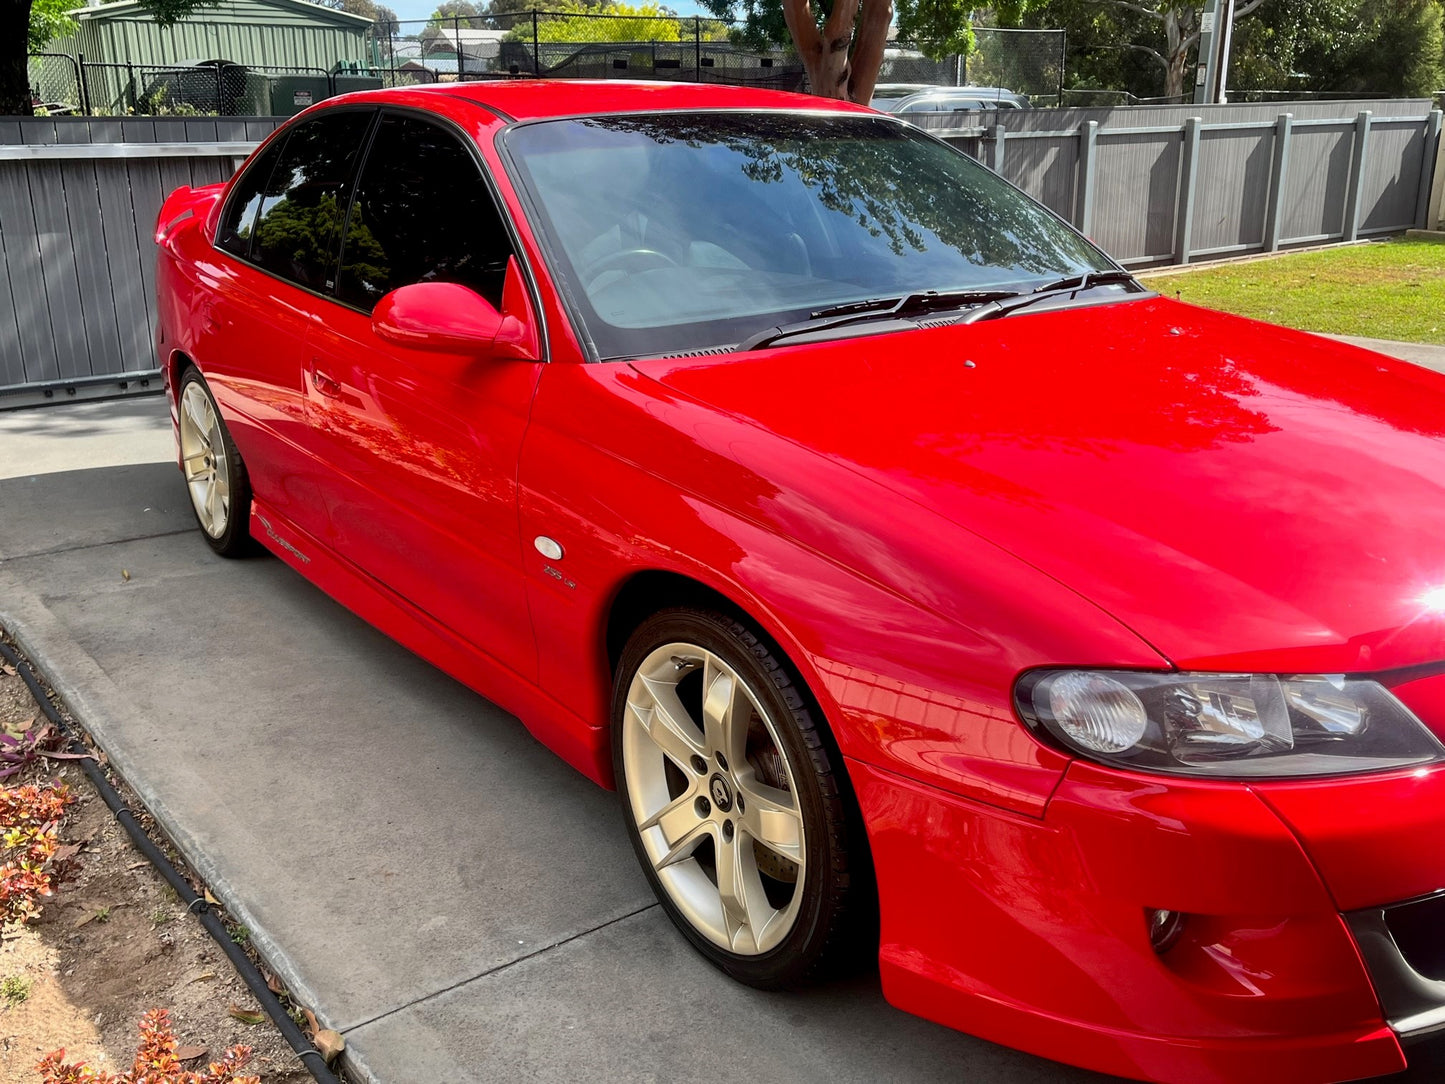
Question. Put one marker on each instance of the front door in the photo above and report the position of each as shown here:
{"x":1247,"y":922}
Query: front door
{"x":424,"y":446}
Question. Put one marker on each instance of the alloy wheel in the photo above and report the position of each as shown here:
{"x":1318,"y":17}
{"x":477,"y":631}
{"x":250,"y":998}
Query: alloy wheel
{"x":204,"y":460}
{"x":714,"y":798}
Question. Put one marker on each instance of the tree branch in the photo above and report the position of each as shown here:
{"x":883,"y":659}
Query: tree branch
{"x":1155,"y":53}
{"x":803,"y":25}
{"x":1138,"y":9}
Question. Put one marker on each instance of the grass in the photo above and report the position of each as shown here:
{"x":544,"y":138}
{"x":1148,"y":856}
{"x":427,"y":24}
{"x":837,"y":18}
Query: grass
{"x":1387,"y":290}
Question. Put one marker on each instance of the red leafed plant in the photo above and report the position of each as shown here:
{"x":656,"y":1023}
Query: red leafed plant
{"x":29,"y":818}
{"x":155,"y":1062}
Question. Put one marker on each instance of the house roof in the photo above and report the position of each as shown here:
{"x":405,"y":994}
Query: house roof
{"x":125,"y":8}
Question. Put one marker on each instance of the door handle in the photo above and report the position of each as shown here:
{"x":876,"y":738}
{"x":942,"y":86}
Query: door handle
{"x":326,"y":385}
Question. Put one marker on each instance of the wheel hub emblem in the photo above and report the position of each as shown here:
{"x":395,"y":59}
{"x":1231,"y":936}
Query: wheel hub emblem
{"x":722,"y":795}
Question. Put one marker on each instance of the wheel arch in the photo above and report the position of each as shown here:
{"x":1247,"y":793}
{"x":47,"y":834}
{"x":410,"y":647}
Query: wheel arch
{"x":649,"y":591}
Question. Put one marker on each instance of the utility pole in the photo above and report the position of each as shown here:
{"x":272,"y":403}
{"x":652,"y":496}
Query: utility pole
{"x":1216,"y":29}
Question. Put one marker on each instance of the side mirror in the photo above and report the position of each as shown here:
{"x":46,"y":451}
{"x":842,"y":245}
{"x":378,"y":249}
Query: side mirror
{"x":448,"y":318}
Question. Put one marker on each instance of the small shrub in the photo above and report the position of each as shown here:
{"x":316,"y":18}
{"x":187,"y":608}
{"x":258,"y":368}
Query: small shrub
{"x":155,"y":1062}
{"x":14,"y":989}
{"x":29,"y":818}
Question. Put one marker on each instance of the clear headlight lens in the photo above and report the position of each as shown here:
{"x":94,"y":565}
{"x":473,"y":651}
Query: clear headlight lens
{"x":1226,"y":725}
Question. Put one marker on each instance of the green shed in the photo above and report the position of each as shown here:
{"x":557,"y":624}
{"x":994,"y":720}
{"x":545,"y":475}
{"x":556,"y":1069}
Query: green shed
{"x":254,"y":33}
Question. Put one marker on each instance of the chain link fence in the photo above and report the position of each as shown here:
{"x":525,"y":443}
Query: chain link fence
{"x":525,"y":45}
{"x":55,"y":84}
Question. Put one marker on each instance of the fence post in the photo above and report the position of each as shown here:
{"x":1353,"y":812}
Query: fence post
{"x":697,"y":48}
{"x":81,"y":85}
{"x":1184,"y":211}
{"x":457,"y":30}
{"x":1274,"y":212}
{"x":998,"y":135}
{"x":1088,"y":156}
{"x":536,"y":48}
{"x":1429,"y":154}
{"x":1357,"y":176}
{"x":1063,"y":62}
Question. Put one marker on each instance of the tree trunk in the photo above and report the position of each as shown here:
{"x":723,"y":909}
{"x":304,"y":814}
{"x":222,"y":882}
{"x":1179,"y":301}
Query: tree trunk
{"x":14,"y":48}
{"x":832,"y":73}
{"x":1181,"y":32}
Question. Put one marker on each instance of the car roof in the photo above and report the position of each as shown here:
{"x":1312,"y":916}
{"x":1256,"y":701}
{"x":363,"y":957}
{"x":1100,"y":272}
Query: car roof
{"x":531,"y":99}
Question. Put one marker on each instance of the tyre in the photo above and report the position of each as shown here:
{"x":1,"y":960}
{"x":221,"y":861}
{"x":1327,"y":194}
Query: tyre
{"x":732,"y":798}
{"x":215,"y":475}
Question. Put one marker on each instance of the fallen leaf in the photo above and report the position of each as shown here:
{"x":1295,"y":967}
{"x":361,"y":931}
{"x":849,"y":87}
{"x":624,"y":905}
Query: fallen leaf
{"x":9,"y":670}
{"x":246,"y":1016}
{"x":125,"y":574}
{"x":210,"y":898}
{"x":275,"y":985}
{"x":70,"y":756}
{"x":188,"y":1053}
{"x":65,"y":851}
{"x":88,"y":918}
{"x":204,"y":976}
{"x":329,"y":1043}
{"x":137,"y":865}
{"x":22,"y":726}
{"x":311,"y":1023}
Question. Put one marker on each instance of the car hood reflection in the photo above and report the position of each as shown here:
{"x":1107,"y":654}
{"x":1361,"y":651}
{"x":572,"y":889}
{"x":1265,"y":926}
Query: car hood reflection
{"x":1239,"y":495}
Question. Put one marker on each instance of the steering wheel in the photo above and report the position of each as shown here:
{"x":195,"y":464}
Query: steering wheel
{"x":631,"y":259}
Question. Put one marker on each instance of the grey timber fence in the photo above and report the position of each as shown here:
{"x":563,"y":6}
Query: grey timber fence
{"x":79,"y":198}
{"x":1157,"y":185}
{"x":1153,"y":185}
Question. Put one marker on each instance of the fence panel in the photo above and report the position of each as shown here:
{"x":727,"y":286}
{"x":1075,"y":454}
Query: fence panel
{"x":1137,"y":182}
{"x":77,"y":264}
{"x":1230,"y":207}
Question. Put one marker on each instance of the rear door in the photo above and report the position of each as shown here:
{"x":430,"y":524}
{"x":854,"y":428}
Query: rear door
{"x":277,"y":246}
{"x":424,"y":446}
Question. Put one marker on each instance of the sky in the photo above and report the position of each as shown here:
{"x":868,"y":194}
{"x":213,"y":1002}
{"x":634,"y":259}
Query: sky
{"x":420,"y":9}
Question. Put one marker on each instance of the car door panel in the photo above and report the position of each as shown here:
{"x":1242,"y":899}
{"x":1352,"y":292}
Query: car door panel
{"x":423,"y":447}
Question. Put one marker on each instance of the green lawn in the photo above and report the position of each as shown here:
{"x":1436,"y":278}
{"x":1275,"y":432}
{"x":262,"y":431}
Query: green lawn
{"x":1388,"y":290}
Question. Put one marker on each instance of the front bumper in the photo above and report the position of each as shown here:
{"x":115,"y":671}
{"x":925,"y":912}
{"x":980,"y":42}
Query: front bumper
{"x":1031,"y":932}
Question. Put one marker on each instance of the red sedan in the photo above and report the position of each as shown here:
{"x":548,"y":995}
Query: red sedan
{"x":924,"y":584}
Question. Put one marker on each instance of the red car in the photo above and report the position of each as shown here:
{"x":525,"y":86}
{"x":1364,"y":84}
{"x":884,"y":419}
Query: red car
{"x":922,"y":582}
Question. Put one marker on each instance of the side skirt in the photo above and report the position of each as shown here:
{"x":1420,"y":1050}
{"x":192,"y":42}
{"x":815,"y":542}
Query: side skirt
{"x":580,"y":744}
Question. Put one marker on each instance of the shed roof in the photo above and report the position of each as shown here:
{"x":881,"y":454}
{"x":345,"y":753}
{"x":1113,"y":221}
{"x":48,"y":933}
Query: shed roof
{"x":133,"y":8}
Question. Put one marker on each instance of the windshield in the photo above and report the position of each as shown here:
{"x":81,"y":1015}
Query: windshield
{"x":674,"y":232}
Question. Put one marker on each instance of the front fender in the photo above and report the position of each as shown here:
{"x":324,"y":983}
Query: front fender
{"x":907,"y":630}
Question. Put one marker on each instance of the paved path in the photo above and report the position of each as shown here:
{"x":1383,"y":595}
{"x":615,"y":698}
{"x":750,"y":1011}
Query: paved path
{"x":441,"y":888}
{"x":445,"y":891}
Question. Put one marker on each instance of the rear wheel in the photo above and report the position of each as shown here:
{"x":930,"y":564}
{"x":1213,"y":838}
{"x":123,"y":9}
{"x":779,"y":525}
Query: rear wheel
{"x":216,"y":478}
{"x":731,"y":797}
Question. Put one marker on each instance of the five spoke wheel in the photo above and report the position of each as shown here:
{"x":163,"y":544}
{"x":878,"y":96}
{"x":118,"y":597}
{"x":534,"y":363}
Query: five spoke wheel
{"x":215,"y":476}
{"x":730,"y":796}
{"x":713,"y":797}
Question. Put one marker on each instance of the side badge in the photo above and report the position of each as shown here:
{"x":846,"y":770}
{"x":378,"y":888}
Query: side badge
{"x":549,"y":548}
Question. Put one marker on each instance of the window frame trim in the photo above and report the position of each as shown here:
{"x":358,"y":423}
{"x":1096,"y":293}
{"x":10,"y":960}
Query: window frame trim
{"x":378,"y":110}
{"x":351,"y":176}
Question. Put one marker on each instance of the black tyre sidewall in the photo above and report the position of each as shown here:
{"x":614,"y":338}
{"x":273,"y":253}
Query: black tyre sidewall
{"x":806,"y":949}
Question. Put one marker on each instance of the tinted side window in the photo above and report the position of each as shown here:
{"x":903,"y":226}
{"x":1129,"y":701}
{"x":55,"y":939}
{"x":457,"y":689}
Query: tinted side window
{"x":422,"y":213}
{"x":303,"y":205}
{"x":234,"y":232}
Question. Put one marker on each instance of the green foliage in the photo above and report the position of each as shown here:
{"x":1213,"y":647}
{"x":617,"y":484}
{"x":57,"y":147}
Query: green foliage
{"x":1394,"y":47}
{"x":14,"y":989}
{"x":644,"y":22}
{"x":49,"y":20}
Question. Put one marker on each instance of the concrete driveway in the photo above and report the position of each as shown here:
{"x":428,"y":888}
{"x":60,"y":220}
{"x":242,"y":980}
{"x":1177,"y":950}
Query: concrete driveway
{"x":443,"y":890}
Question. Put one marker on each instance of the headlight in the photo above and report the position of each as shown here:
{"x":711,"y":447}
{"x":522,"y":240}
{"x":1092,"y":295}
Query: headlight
{"x":1226,"y":725}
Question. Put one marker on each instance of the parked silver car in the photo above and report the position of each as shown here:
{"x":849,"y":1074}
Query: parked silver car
{"x":916,"y":98}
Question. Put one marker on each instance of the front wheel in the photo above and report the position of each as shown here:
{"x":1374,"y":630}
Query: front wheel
{"x":216,"y":478}
{"x":732,"y":799}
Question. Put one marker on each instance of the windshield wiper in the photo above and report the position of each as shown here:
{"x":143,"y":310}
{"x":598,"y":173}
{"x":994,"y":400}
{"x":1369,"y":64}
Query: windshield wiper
{"x":1069,"y":284}
{"x":877,"y":308}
